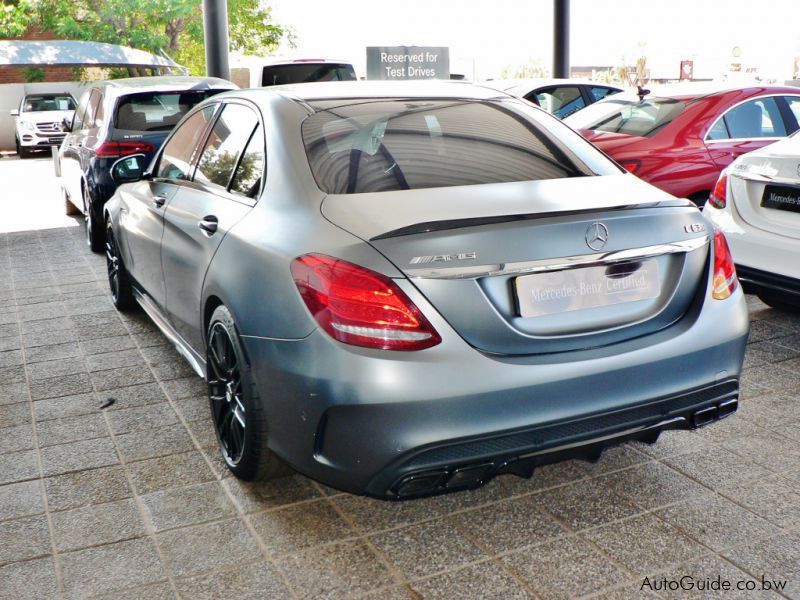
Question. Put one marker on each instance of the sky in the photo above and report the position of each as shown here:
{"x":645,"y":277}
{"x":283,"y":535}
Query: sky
{"x":486,"y":35}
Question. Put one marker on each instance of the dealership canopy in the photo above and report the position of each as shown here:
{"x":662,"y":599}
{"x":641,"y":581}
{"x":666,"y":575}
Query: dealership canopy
{"x":73,"y":53}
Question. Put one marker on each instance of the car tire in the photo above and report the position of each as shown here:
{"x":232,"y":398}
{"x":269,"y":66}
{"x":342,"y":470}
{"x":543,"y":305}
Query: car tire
{"x":773,"y":299}
{"x":118,"y":281}
{"x":22,"y":151}
{"x":236,"y":408}
{"x":95,"y":232}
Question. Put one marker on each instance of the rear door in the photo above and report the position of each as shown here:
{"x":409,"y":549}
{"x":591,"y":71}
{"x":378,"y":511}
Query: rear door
{"x":226,"y":182}
{"x":71,"y":171}
{"x":142,"y":215}
{"x":744,"y":128}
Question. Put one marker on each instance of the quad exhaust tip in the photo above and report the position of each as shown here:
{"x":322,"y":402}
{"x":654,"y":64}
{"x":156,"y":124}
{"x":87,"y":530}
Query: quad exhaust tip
{"x":442,"y":480}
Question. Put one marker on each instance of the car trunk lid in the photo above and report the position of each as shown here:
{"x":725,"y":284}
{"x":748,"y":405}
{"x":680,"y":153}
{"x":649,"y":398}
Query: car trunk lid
{"x":539,"y":267}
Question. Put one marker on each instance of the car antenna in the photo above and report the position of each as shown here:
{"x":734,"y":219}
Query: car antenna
{"x":641,"y":92}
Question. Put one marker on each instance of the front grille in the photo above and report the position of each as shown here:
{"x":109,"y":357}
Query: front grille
{"x":548,"y":436}
{"x":48,"y":127}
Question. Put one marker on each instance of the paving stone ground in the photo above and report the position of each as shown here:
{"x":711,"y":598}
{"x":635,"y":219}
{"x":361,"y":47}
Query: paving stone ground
{"x":133,"y":501}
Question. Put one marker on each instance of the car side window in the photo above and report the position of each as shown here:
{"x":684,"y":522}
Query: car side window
{"x":249,"y":171}
{"x":225,"y":145}
{"x":561,"y":101}
{"x":91,"y":110}
{"x":80,"y":112}
{"x":794,"y":105}
{"x":179,"y":152}
{"x":754,"y":119}
{"x":600,"y":92}
{"x":98,"y":112}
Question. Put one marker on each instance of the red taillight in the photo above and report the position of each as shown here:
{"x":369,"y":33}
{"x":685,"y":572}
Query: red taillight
{"x":631,"y":165}
{"x":725,"y":281}
{"x":119,"y":149}
{"x":361,"y":307}
{"x":719,"y":196}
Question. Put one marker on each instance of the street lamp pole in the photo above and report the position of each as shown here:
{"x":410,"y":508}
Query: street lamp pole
{"x":215,"y":26}
{"x":561,"y":39}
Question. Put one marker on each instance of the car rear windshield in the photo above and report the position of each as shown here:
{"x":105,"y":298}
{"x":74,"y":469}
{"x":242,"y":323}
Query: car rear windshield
{"x":374,"y":145}
{"x":43,"y":103}
{"x":156,"y":111}
{"x":643,"y":118}
{"x":306,"y":73}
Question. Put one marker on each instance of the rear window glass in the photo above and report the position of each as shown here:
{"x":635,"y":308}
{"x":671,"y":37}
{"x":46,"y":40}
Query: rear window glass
{"x":390,"y":144}
{"x":156,"y":111}
{"x":43,"y":103}
{"x":306,"y":73}
{"x":631,"y":117}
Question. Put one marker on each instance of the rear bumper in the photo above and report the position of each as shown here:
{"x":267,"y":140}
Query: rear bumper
{"x":363,"y":421}
{"x":756,"y":280}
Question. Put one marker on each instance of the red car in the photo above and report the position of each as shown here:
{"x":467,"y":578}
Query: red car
{"x":680,"y":139}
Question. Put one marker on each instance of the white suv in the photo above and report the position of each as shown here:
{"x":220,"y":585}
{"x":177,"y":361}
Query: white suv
{"x":39,"y":120}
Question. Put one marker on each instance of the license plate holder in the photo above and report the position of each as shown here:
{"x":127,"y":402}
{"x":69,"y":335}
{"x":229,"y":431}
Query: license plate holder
{"x":542,"y":294}
{"x":781,"y":197}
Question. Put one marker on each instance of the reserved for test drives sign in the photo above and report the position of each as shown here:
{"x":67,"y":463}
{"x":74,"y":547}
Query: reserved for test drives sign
{"x":408,"y":62}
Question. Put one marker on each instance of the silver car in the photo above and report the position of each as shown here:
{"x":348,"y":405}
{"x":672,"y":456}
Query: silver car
{"x":405,"y":289}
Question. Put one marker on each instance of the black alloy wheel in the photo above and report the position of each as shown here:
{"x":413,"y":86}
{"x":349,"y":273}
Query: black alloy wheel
{"x":236,"y":408}
{"x":118,"y":281}
{"x":225,"y":391}
{"x":94,"y":230}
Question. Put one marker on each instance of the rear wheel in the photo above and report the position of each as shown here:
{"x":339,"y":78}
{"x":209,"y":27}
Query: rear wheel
{"x":95,"y":233}
{"x":235,"y":406}
{"x":118,"y":280}
{"x":776,"y":300}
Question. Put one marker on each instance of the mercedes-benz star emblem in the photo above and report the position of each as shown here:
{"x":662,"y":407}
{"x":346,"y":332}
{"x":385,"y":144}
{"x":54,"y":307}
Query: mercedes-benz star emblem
{"x":596,"y":236}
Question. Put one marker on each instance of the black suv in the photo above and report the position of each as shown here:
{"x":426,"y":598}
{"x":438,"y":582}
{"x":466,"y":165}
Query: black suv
{"x":115,"y":119}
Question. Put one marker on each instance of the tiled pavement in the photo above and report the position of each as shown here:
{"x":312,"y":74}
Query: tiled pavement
{"x":132,"y":501}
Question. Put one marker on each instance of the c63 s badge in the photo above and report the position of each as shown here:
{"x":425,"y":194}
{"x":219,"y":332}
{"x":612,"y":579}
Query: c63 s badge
{"x":424,"y":260}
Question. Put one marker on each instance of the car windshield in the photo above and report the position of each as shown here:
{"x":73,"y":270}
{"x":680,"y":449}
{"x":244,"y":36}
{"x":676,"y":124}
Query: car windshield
{"x":48,"y":102}
{"x":629,"y":115}
{"x":373,"y":145}
{"x":156,"y":111}
{"x":306,"y":73}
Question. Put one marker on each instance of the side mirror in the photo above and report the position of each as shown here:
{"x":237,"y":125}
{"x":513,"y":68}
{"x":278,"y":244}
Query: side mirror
{"x":128,"y":169}
{"x":66,"y":124}
{"x":14,"y":113}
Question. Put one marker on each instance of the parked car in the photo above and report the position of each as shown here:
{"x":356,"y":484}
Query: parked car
{"x":258,"y":73}
{"x":562,"y":97}
{"x":429,"y":285}
{"x":118,"y":118}
{"x":680,"y":138}
{"x":756,"y":202}
{"x":38,"y":121}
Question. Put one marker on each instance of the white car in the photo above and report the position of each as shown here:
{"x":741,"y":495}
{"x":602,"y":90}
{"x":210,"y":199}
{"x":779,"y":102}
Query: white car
{"x":756,"y":202}
{"x":39,"y":120}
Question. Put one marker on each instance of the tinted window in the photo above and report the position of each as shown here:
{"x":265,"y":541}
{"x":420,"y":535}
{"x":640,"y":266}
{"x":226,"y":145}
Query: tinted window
{"x":224,"y":146}
{"x":247,"y":179}
{"x":794,"y":106}
{"x":561,"y":101}
{"x":598,"y":93}
{"x":94,"y":114}
{"x":156,"y":111}
{"x":632,"y":117}
{"x":80,"y":113}
{"x":306,"y":72}
{"x":754,"y":119}
{"x":47,"y":102}
{"x":378,"y":145}
{"x":176,"y":159}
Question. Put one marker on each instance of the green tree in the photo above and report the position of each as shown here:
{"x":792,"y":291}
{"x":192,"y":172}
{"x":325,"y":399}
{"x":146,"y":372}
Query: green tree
{"x":530,"y":70}
{"x":171,"y":26}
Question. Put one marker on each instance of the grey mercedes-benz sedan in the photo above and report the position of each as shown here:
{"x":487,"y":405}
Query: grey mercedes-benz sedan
{"x":402,"y":289}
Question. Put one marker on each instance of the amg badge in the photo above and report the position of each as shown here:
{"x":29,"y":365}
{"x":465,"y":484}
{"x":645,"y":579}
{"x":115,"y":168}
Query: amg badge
{"x":422,"y":260}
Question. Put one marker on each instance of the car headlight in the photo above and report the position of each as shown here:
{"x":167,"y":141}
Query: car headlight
{"x":27,"y":126}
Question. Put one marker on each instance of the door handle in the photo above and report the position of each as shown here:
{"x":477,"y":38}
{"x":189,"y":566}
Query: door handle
{"x":159,"y":200}
{"x":209,"y":224}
